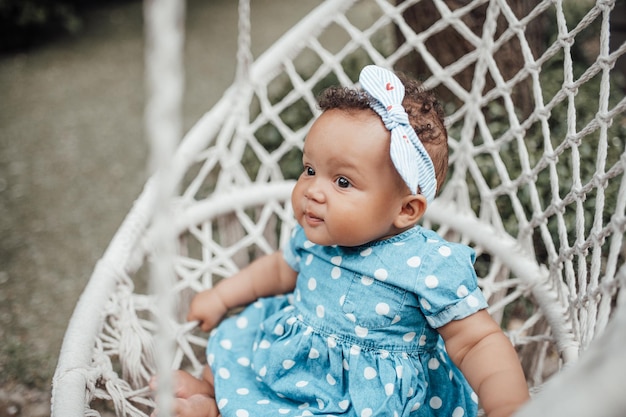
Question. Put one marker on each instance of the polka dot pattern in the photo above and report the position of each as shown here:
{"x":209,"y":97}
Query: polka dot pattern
{"x":349,"y":339}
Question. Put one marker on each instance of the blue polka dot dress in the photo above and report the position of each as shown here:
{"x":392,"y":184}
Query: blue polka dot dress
{"x":356,"y":338}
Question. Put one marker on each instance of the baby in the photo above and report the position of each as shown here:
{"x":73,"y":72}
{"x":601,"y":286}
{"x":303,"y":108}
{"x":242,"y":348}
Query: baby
{"x":351,"y":317}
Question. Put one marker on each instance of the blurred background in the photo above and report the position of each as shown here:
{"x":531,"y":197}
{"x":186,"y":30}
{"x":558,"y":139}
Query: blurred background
{"x":73,"y":153}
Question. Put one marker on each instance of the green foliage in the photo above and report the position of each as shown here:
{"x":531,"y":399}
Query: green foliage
{"x":561,"y":158}
{"x":28,"y":23}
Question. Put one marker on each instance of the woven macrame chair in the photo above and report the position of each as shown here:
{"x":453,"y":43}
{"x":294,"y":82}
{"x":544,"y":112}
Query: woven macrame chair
{"x":536,"y":186}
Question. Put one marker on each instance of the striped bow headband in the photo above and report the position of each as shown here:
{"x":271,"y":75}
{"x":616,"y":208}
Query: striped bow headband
{"x":407,"y":152}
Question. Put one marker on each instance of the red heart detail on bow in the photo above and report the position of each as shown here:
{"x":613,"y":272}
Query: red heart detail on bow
{"x":389,"y":87}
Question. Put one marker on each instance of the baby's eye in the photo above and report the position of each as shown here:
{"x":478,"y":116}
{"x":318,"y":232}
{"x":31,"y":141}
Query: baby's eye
{"x":309,"y":171}
{"x":343,"y":182}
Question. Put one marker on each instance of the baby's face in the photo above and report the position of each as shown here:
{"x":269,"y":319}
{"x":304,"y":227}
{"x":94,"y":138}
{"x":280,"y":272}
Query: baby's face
{"x":349,"y":192}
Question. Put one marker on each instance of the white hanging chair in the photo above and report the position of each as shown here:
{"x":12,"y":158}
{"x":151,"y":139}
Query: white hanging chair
{"x":536,"y":186}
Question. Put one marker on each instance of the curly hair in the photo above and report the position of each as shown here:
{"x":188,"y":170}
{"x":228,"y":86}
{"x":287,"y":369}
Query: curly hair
{"x":424,"y":110}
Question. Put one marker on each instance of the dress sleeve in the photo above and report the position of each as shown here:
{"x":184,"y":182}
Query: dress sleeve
{"x":293,"y":248}
{"x":447,"y":286}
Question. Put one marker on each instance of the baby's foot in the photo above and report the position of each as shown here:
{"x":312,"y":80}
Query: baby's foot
{"x":197,"y":405}
{"x":185,"y":385}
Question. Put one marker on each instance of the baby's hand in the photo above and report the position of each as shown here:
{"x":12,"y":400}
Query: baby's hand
{"x":208,"y":308}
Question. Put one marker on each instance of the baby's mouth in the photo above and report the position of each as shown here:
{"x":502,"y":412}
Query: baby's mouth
{"x":312,"y":219}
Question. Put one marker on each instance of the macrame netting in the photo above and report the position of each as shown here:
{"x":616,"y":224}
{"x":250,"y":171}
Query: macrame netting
{"x":537,"y":128}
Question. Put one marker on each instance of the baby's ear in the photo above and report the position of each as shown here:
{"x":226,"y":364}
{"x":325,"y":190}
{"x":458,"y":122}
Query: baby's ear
{"x":413,"y":208}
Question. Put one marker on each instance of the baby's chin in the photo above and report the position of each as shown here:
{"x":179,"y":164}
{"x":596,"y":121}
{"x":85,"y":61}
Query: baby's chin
{"x":329,"y":240}
{"x":333,"y":242}
{"x":317,"y":240}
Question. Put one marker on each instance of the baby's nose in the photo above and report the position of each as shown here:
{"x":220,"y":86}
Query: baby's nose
{"x":315,"y":191}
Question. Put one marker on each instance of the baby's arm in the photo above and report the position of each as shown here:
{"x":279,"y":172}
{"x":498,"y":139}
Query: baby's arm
{"x":488,"y":360}
{"x":268,"y":275}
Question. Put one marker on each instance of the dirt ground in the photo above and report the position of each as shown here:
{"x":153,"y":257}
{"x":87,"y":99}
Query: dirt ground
{"x":73,"y":159}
